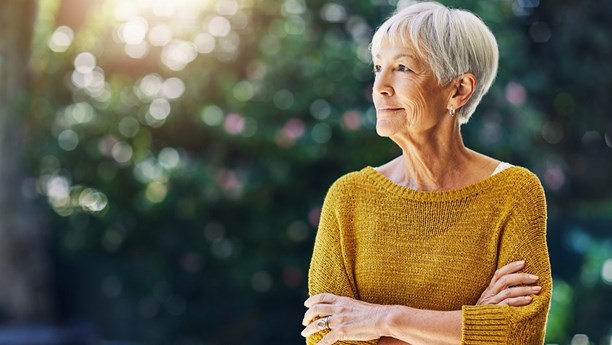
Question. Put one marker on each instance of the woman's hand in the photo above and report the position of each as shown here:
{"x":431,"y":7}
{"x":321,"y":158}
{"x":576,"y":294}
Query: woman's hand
{"x":510,"y":287}
{"x":346,"y":318}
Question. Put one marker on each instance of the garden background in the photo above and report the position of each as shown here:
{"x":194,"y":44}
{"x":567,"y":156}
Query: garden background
{"x":164,"y":161}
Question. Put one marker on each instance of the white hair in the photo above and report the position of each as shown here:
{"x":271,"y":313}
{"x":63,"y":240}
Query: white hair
{"x":451,"y":41}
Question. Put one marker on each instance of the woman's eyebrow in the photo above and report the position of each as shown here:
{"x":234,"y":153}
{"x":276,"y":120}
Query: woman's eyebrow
{"x":399,"y":55}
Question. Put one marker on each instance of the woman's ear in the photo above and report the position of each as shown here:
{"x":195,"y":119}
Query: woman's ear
{"x":463,"y":89}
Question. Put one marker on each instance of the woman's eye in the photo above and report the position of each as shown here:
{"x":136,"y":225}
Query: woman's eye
{"x":403,"y":68}
{"x":377,"y":68}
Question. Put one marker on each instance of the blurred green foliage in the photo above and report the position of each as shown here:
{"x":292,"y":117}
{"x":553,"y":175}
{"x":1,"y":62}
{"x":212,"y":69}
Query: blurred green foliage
{"x":184,"y":149}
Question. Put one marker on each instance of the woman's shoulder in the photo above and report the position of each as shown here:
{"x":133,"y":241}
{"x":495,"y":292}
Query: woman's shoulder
{"x":521,"y":182}
{"x":347,"y":188}
{"x":522,"y":176}
{"x":352,"y":180}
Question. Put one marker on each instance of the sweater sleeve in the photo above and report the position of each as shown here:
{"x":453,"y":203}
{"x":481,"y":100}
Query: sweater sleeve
{"x":523,"y":238}
{"x":328,"y":267}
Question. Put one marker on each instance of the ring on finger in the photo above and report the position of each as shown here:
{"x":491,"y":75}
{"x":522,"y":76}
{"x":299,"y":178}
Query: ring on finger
{"x":323,"y":323}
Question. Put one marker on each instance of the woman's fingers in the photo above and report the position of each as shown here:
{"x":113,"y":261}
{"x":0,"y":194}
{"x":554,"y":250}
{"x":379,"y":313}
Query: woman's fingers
{"x":510,"y":287}
{"x":515,"y":296}
{"x":315,"y":327}
{"x":514,"y":279}
{"x":516,"y":301}
{"x":512,"y":267}
{"x":320,"y":299}
{"x":320,"y":305}
{"x":316,"y":311}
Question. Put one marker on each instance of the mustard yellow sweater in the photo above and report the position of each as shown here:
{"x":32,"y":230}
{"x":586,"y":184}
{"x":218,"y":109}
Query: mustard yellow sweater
{"x":386,"y":244}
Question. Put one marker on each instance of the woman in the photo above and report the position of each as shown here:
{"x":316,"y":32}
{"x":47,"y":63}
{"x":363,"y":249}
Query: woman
{"x":442,"y":245}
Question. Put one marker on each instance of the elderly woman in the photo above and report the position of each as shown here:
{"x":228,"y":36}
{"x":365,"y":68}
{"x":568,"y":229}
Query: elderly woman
{"x":441,"y":245}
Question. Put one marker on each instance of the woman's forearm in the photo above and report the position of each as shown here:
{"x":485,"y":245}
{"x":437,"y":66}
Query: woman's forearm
{"x":417,"y":326}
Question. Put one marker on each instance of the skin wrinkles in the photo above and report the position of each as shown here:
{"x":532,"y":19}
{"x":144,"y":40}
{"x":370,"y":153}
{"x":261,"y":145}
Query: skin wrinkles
{"x":416,"y":106}
{"x":404,"y":82}
{"x":419,"y":121}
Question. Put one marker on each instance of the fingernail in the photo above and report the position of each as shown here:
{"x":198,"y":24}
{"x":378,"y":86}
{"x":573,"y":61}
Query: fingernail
{"x":531,"y":276}
{"x":536,"y":289}
{"x":527,"y":298}
{"x":520,"y":263}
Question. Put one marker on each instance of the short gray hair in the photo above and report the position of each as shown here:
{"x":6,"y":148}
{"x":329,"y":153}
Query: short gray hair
{"x":452,"y":41}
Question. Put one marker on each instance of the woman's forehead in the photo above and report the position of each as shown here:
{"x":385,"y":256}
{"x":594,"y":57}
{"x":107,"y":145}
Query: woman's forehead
{"x":394,"y":48}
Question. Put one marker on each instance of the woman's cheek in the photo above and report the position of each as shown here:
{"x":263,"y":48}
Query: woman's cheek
{"x":417,"y":107}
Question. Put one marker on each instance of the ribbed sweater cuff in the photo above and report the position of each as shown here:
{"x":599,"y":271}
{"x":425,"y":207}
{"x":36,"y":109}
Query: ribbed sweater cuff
{"x":484,"y":324}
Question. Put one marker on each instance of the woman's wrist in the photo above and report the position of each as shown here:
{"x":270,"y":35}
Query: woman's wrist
{"x":396,"y":319}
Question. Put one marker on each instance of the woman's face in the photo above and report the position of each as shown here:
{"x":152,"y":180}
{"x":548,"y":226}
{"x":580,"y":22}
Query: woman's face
{"x":406,"y":93}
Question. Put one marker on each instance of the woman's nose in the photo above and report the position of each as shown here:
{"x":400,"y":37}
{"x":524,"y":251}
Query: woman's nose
{"x":382,"y":85}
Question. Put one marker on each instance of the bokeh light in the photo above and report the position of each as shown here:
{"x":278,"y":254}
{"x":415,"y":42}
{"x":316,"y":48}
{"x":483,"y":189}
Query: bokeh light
{"x":351,"y":120}
{"x":79,"y":113}
{"x":61,"y":39}
{"x":284,"y":99}
{"x":243,"y":91}
{"x":159,"y":109}
{"x":205,"y":43}
{"x":227,"y":7}
{"x":169,"y":158}
{"x":122,"y":152}
{"x":516,"y":94}
{"x":219,"y":26}
{"x":320,"y":109}
{"x":85,"y":62}
{"x":129,"y":127}
{"x":606,"y":271}
{"x":580,"y":339}
{"x":68,"y":140}
{"x":148,"y":170}
{"x":92,"y":200}
{"x":160,"y":35}
{"x":156,"y":191}
{"x":212,"y":115}
{"x":136,"y":51}
{"x":333,"y":12}
{"x":234,"y":123}
{"x":150,"y":85}
{"x":553,"y":132}
{"x":173,"y":88}
{"x":178,"y":53}
{"x":133,"y":31}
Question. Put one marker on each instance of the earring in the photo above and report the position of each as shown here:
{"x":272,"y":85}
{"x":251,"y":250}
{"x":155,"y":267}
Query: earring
{"x":451,"y":111}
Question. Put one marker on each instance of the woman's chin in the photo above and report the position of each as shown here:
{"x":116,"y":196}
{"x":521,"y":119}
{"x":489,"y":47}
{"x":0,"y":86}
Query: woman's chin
{"x":384,"y":130}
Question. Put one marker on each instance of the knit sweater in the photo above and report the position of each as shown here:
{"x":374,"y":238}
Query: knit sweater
{"x":383,"y":243}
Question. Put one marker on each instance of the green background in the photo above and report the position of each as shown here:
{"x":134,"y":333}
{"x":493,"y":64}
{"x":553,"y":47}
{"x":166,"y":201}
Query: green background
{"x":189,"y":217}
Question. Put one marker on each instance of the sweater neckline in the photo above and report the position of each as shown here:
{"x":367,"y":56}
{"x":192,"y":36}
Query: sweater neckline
{"x":388,"y":185}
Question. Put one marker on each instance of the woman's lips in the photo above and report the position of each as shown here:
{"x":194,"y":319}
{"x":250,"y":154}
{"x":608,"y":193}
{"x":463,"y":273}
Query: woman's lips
{"x":387,"y":110}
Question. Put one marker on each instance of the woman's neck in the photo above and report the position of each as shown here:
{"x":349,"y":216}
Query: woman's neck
{"x":437,"y":161}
